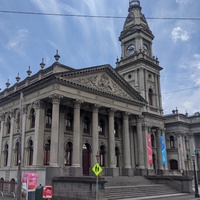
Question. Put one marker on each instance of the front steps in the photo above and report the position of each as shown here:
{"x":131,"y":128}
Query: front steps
{"x":133,"y":187}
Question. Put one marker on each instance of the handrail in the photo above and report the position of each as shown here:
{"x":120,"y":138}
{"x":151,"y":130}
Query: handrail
{"x":1,"y":194}
{"x":13,"y":194}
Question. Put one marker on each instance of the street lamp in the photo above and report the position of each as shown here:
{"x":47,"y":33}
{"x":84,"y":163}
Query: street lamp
{"x":195,"y":177}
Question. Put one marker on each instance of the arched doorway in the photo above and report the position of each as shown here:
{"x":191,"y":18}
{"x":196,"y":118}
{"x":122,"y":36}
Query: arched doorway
{"x":86,"y":158}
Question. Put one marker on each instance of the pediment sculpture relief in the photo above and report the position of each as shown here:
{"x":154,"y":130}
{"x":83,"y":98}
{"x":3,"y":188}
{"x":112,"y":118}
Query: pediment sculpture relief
{"x":104,"y":83}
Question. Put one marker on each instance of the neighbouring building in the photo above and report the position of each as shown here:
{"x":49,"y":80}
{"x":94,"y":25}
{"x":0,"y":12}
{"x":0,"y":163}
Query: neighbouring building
{"x":67,"y":119}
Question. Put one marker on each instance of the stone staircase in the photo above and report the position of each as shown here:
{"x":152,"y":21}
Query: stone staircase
{"x":133,"y":187}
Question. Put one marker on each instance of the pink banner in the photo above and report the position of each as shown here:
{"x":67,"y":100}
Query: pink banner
{"x":149,"y":149}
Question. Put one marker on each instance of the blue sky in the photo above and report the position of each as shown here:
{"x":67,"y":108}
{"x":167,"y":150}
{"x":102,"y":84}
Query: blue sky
{"x":85,"y":42}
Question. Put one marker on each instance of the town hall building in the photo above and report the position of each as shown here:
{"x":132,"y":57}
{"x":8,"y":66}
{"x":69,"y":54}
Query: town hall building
{"x":67,"y":119}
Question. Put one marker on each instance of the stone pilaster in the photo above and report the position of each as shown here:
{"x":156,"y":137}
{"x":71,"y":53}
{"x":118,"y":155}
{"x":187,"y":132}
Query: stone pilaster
{"x":180,"y":152}
{"x":55,"y":129}
{"x":39,"y":133}
{"x":76,"y":169}
{"x":23,"y":129}
{"x":10,"y":150}
{"x":2,"y":118}
{"x":95,"y":134}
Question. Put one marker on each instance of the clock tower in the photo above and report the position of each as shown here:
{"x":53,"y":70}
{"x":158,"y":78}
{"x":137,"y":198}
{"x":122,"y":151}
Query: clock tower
{"x":137,"y":65}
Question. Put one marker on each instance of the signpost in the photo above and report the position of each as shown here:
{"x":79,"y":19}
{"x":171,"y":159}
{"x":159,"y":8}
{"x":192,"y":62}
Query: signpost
{"x":97,"y":169}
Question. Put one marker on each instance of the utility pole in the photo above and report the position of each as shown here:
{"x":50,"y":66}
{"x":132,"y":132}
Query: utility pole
{"x":19,"y":172}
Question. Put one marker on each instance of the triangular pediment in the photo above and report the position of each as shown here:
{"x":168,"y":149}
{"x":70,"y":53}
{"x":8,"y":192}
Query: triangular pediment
{"x":103,"y":80}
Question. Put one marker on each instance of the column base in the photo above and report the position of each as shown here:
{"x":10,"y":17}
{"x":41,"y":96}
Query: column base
{"x":75,"y":171}
{"x":127,"y":172}
{"x":112,"y":171}
{"x":140,"y":171}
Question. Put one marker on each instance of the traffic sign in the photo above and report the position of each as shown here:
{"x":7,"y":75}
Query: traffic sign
{"x":97,"y":169}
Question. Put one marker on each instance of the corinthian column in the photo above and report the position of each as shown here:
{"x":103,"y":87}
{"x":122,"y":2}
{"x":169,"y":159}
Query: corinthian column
{"x":111,"y":139}
{"x":76,"y":169}
{"x":39,"y":133}
{"x":55,"y":129}
{"x":126,"y":146}
{"x":95,"y":133}
{"x":140,"y":143}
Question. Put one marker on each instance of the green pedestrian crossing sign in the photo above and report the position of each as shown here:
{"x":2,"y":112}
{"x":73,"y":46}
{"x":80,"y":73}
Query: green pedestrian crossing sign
{"x":97,"y":169}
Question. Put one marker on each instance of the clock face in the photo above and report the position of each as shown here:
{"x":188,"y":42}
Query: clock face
{"x":130,"y":49}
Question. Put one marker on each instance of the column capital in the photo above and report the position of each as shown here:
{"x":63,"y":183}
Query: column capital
{"x":140,"y":118}
{"x":111,"y":112}
{"x":56,"y":98}
{"x":24,"y":109}
{"x":39,"y":104}
{"x":12,"y":113}
{"x":95,"y":107}
{"x":126,"y":115}
{"x":77,"y":103}
{"x":2,"y":117}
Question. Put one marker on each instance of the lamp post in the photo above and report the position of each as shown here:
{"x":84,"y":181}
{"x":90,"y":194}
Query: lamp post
{"x":195,"y":177}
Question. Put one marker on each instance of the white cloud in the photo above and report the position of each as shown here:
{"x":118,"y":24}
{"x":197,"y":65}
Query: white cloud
{"x":16,"y":43}
{"x":179,"y":34}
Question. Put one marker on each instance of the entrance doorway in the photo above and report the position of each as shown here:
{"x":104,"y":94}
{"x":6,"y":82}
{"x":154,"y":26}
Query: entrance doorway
{"x":86,"y":158}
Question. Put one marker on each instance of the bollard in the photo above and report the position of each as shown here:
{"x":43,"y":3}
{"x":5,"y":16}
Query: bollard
{"x":38,"y":192}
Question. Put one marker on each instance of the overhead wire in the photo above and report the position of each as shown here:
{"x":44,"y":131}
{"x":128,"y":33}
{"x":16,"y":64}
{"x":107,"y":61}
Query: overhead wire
{"x":96,"y":16}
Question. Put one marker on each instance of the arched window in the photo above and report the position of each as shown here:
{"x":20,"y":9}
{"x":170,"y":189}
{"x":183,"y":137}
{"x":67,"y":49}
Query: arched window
{"x":86,"y":125}
{"x":117,"y":153}
{"x":102,"y":155}
{"x":30,"y":152}
{"x":49,"y":118}
{"x":173,"y":164}
{"x":68,"y":154}
{"x":32,"y":118}
{"x":150,"y":94}
{"x":152,"y":140}
{"x":8,"y":125}
{"x":16,"y":153}
{"x":101,"y":127}
{"x":2,"y":184}
{"x":6,"y":155}
{"x":116,"y":129}
{"x":172,"y":142}
{"x":47,"y":152}
{"x":69,"y":122}
{"x":12,"y":185}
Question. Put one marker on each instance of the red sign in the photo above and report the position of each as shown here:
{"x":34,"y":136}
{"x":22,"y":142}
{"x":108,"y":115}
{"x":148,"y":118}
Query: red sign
{"x":29,"y":181}
{"x":149,"y":149}
{"x":47,"y":192}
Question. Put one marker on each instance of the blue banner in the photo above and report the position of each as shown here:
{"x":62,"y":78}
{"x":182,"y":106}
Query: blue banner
{"x":164,"y":159}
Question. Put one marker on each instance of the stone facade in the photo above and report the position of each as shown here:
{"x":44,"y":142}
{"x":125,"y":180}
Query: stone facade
{"x":64,"y":120}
